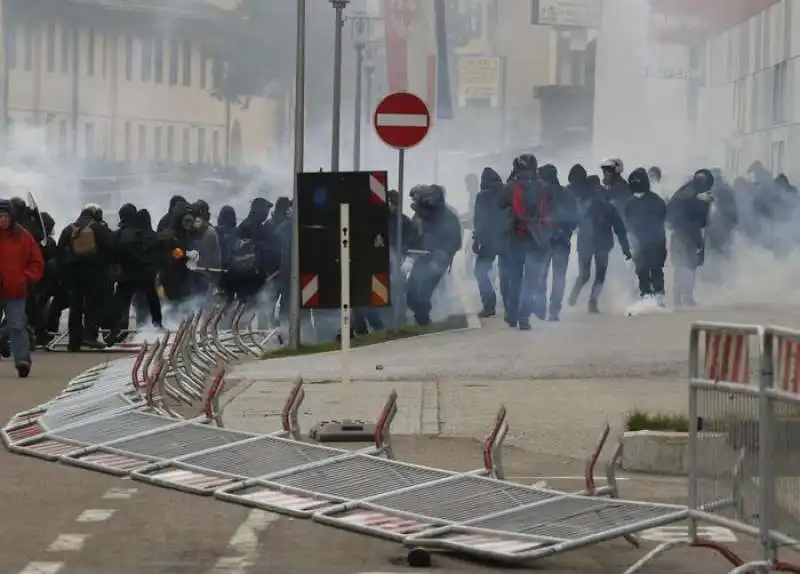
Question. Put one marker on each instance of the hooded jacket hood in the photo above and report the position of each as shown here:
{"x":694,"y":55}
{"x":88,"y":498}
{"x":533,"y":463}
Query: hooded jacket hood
{"x":143,"y":220}
{"x":490,"y":179}
{"x":549,"y":174}
{"x":175,"y":200}
{"x":639,"y":181}
{"x":259,"y":209}
{"x":577,"y":175}
{"x":127,"y":214}
{"x":226,"y":219}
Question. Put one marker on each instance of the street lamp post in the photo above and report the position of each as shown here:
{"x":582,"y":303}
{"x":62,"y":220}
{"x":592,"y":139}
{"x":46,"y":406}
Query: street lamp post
{"x":359,"y":40}
{"x":339,"y":5}
{"x":299,"y":140}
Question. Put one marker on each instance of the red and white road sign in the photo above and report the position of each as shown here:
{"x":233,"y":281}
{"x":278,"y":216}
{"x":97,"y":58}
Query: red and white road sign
{"x":402,"y":120}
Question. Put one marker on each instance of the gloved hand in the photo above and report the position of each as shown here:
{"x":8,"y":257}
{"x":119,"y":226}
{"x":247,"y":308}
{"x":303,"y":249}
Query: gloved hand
{"x":406,"y":265}
{"x":706,"y":196}
{"x":192,"y":257}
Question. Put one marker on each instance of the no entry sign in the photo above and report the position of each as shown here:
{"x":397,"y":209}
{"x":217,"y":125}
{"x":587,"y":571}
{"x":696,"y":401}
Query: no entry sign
{"x":402,"y":120}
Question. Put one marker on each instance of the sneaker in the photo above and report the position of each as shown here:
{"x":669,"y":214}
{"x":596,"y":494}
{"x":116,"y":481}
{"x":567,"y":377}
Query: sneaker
{"x":525,"y":325}
{"x":486,"y":313}
{"x":510,"y":321}
{"x":23,"y":370}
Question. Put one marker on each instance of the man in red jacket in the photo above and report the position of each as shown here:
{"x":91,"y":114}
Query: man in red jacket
{"x":21,"y":266}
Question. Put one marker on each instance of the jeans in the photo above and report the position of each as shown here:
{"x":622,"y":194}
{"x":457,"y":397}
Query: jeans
{"x":525,"y":270}
{"x":483,"y":269}
{"x":17,"y":330}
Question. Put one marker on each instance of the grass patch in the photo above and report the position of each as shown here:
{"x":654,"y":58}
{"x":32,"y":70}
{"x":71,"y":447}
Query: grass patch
{"x":404,"y":332}
{"x":669,"y":422}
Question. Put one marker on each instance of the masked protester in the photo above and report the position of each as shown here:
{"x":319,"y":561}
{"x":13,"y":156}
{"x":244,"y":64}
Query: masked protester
{"x":687,"y":216}
{"x":489,"y":232}
{"x":176,"y":204}
{"x":440,"y":237}
{"x":85,"y":254}
{"x":599,"y":222}
{"x":531,"y":227}
{"x":21,"y":266}
{"x":645,"y":218}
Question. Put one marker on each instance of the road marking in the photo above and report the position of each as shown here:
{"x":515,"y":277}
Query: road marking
{"x":120,"y":493}
{"x":68,"y":543}
{"x":42,"y":568}
{"x":664,"y":534}
{"x":96,"y":515}
{"x":243,"y":545}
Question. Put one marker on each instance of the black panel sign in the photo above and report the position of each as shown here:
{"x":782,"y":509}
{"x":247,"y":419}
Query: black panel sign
{"x":319,"y":199}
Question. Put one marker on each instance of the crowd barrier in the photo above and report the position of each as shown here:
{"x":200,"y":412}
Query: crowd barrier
{"x":131,"y":417}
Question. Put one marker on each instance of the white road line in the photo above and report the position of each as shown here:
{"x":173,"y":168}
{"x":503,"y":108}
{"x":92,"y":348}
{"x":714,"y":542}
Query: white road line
{"x":68,"y":543}
{"x":243,"y":545}
{"x":42,"y":568}
{"x":96,"y":515}
{"x":120,"y":493}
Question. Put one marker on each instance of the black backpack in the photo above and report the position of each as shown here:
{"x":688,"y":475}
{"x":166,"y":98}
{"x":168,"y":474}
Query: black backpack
{"x":245,"y":259}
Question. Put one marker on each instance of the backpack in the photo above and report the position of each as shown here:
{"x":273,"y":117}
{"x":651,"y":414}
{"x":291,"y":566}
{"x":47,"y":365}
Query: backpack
{"x":537,"y":227}
{"x":245,"y":259}
{"x":82,"y":240}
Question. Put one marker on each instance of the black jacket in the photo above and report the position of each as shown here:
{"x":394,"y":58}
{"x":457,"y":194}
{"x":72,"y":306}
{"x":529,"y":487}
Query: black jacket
{"x":490,"y":220}
{"x":103,"y":240}
{"x":599,"y":221}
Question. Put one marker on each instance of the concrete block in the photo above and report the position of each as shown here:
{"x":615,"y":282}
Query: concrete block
{"x":659,"y":452}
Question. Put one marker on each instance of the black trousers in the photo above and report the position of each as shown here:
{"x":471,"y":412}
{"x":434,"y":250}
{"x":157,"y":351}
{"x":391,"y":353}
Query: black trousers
{"x":89,"y":304}
{"x":585,"y":258}
{"x":127,"y":289}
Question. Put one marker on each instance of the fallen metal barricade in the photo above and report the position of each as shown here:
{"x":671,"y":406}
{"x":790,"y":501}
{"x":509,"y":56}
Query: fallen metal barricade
{"x":254,"y":456}
{"x":744,"y":420}
{"x":135,"y":452}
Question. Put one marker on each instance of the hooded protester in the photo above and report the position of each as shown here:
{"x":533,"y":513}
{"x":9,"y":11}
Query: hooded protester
{"x":565,"y":220}
{"x":166,"y":222}
{"x":255,"y":255}
{"x":21,"y":267}
{"x":280,"y":214}
{"x":205,"y":242}
{"x":156,"y":252}
{"x":529,"y":202}
{"x":645,"y":218}
{"x":85,"y":255}
{"x":134,"y":253}
{"x":722,"y":221}
{"x":489,"y":229}
{"x":176,"y":279}
{"x":599,"y":222}
{"x":687,"y":216}
{"x":226,"y":233}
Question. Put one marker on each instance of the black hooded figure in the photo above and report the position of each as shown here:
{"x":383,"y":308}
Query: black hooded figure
{"x":599,"y":222}
{"x":565,"y":221}
{"x":255,"y":255}
{"x":165,"y":224}
{"x":645,"y":218}
{"x":134,"y":253}
{"x":687,"y":216}
{"x":226,"y":233}
{"x":489,"y":229}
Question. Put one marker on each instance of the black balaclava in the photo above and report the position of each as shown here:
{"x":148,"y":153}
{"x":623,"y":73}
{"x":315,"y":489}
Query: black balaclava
{"x":226,"y":219}
{"x":202,"y":210}
{"x":639,"y":181}
{"x":549,"y":174}
{"x":143,"y":220}
{"x":127,"y":214}
{"x":577,"y":175}
{"x":703,"y":180}
{"x":259,"y":210}
{"x":175,"y":200}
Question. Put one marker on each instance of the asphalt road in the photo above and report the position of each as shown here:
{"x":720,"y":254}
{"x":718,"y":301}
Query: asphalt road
{"x":56,"y":519}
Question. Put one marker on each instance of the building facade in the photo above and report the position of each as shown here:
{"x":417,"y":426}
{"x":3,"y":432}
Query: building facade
{"x":123,"y":81}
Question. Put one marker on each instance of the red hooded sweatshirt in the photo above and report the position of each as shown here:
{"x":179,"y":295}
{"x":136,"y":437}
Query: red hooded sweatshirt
{"x":21,"y":262}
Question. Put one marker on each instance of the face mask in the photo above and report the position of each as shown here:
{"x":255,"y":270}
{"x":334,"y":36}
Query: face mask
{"x":187,"y":223}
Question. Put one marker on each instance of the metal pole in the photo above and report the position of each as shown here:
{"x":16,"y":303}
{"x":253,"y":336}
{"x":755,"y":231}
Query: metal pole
{"x":399,"y":308}
{"x":299,"y":136}
{"x":367,"y":109}
{"x":358,"y":112}
{"x":344,"y":255}
{"x":339,"y":5}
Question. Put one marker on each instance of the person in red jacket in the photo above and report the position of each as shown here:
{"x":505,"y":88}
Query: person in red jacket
{"x":21,"y":266}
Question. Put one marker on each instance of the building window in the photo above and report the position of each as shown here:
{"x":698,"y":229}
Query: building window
{"x":28,"y":32}
{"x":65,"y":49}
{"x":142,"y":143}
{"x":203,"y":69}
{"x":215,"y":147}
{"x":174,"y":58}
{"x":170,"y":142}
{"x":62,"y":138}
{"x":201,"y":145}
{"x":158,"y":60}
{"x":157,"y":143}
{"x":147,"y":60}
{"x":129,"y":58}
{"x":51,"y":47}
{"x":187,"y":138}
{"x":779,"y":86}
{"x":88,"y":144}
{"x":128,"y":144}
{"x":187,"y":63}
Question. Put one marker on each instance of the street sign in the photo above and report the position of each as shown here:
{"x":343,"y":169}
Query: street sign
{"x":320,"y":197}
{"x":402,"y":120}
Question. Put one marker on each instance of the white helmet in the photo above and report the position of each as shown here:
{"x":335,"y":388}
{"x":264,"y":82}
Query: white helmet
{"x":613,"y":164}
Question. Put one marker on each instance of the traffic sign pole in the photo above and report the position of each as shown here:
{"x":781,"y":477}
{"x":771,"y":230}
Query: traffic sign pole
{"x":402,"y":120}
{"x":399,"y":308}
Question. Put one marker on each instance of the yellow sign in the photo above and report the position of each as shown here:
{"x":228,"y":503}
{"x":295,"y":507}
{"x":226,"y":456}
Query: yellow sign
{"x":478,"y":77}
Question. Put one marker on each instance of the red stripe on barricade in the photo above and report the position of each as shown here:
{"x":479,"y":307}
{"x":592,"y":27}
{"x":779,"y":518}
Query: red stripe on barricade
{"x":727,"y":357}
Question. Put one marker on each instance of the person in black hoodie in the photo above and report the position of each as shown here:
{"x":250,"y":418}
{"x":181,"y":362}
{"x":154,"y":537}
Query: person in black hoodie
{"x":256,"y":254}
{"x":529,"y":203}
{"x":599,"y":221}
{"x":176,"y":278}
{"x":133,"y":252}
{"x":226,"y":233}
{"x":175,"y":205}
{"x":85,"y":253}
{"x":687,"y":215}
{"x":489,"y":229}
{"x":645,"y":218}
{"x":565,"y":219}
{"x":156,"y":253}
